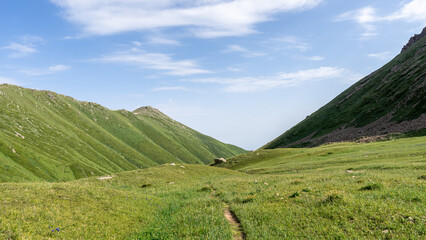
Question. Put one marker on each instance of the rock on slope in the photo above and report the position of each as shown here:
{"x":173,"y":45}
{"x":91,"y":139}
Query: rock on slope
{"x":45,"y":136}
{"x":389,"y":100}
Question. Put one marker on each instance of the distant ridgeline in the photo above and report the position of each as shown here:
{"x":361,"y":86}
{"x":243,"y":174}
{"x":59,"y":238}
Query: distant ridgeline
{"x":389,"y":100}
{"x":45,"y":136}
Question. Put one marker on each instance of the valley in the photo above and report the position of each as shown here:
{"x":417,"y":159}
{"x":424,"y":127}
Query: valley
{"x":239,"y":71}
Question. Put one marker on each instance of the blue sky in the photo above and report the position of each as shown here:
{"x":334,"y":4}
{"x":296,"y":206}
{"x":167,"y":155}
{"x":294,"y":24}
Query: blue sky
{"x":242,"y":71}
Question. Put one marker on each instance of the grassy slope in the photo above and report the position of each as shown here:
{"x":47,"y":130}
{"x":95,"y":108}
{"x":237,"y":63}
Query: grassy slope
{"x":47,"y":136}
{"x":397,"y":87}
{"x":338,"y":191}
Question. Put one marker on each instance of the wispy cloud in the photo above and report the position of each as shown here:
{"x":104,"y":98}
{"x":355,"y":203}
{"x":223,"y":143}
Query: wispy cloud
{"x":255,"y":84}
{"x":49,"y":70}
{"x":19,"y":50}
{"x":367,"y":17}
{"x":156,"y":40}
{"x":71,"y":37}
{"x":204,"y":18}
{"x":382,"y":56}
{"x":246,"y":53}
{"x":24,"y":47}
{"x":311,"y":58}
{"x":156,"y":61}
{"x":172,"y":88}
{"x":162,"y":41}
{"x":291,"y":42}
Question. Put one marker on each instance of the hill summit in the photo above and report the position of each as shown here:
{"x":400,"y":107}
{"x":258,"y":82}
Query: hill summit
{"x":389,"y":100}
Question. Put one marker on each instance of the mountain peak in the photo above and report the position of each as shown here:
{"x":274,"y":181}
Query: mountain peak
{"x":414,"y":39}
{"x":150,"y":111}
{"x":146,"y":109}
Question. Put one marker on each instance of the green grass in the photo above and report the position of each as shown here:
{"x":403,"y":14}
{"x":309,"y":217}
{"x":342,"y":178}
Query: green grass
{"x":397,"y":89}
{"x":338,"y":191}
{"x":138,"y":204}
{"x":50,"y":137}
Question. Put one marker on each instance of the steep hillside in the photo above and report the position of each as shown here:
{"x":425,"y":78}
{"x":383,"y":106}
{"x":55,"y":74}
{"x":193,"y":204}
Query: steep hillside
{"x":390,"y":100}
{"x":50,"y":137}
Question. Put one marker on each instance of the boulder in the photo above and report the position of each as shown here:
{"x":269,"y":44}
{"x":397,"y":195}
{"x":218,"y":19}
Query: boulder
{"x":219,"y":160}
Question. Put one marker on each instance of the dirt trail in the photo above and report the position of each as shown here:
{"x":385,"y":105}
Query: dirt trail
{"x":237,"y":230}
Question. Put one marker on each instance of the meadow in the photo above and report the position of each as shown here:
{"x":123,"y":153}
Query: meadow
{"x":336,"y":191}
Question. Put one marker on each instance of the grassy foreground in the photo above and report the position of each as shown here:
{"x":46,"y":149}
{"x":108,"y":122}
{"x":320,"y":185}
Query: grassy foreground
{"x":338,"y":191}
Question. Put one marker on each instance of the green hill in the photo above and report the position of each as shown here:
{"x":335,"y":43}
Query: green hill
{"x":50,"y":137}
{"x":390,"y":100}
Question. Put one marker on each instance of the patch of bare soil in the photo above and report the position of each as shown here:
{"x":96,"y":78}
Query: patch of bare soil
{"x":236,"y":228}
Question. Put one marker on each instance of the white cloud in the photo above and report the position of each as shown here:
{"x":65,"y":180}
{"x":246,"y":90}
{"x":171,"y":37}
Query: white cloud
{"x":414,"y":10}
{"x":172,"y":88}
{"x":162,"y":41}
{"x":382,"y":56}
{"x":255,"y":84}
{"x":156,"y":61}
{"x":19,"y":50}
{"x":245,"y":51}
{"x":291,"y":42}
{"x":49,"y":70}
{"x":365,"y":17}
{"x":205,"y":18}
{"x":25,"y":46}
{"x":235,"y":48}
{"x":313,"y":58}
{"x":71,"y":37}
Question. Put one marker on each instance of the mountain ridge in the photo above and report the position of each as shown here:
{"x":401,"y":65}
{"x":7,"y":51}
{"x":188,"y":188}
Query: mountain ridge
{"x":390,"y":100}
{"x":46,"y":136}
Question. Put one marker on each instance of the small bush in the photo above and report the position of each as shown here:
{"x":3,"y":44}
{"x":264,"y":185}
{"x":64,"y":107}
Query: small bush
{"x":372,"y":186}
{"x":296,"y":194}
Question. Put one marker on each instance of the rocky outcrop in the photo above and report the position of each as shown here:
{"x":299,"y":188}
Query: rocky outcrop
{"x":414,"y":39}
{"x":219,"y":160}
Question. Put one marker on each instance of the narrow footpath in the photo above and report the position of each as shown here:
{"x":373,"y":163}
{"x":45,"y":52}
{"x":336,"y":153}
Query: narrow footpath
{"x":236,"y":228}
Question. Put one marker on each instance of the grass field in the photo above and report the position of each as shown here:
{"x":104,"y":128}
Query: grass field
{"x":338,"y":191}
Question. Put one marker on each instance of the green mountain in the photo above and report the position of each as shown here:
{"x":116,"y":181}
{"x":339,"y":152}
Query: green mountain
{"x":50,"y":137}
{"x":389,"y":100}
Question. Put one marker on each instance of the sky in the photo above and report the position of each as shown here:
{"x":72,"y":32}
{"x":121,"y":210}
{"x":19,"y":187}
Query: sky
{"x":241,"y":71}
